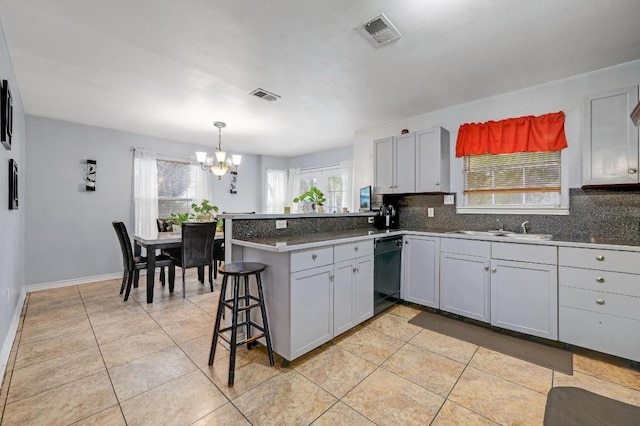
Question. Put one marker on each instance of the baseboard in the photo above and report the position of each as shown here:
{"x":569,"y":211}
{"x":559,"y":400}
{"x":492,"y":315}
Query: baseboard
{"x":11,"y":335}
{"x":75,"y":281}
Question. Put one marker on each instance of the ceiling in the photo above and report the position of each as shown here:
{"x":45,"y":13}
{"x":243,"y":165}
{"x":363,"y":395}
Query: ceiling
{"x":169,"y":68}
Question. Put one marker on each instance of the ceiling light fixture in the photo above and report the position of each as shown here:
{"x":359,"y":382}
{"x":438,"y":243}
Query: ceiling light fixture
{"x":221,"y":164}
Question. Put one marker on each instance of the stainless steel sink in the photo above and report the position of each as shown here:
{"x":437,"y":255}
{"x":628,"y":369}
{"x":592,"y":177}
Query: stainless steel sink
{"x":478,"y":233}
{"x":513,"y":235}
{"x":527,"y":236}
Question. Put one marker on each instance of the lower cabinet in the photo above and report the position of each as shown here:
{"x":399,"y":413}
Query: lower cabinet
{"x":599,"y":300}
{"x":421,"y":270}
{"x":465,"y":286}
{"x":311,"y":309}
{"x":524,"y":297}
{"x":352,"y":293}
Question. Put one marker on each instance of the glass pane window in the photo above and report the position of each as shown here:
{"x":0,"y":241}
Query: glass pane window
{"x":175,"y":188}
{"x":331,"y":182}
{"x":519,"y":179}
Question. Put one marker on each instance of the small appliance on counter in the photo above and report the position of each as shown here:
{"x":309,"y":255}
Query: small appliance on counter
{"x":387,"y":217}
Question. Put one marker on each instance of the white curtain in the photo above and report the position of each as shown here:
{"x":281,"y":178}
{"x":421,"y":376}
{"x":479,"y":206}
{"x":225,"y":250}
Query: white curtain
{"x":201,"y":181}
{"x":293,"y":189}
{"x":346,"y":172}
{"x":276,"y":188}
{"x":145,"y":191}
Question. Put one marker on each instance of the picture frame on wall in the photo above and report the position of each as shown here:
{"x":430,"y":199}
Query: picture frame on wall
{"x":13,"y":185}
{"x":6,"y":115}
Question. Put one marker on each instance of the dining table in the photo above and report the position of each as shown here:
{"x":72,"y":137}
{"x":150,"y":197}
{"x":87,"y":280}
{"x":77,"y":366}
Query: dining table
{"x":158,"y":241}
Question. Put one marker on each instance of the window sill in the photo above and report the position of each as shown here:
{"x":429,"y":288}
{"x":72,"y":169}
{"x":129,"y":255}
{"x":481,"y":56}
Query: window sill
{"x":513,"y":210}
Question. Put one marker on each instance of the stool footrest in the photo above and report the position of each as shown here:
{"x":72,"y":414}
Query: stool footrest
{"x":241,"y":308}
{"x":240,"y":324}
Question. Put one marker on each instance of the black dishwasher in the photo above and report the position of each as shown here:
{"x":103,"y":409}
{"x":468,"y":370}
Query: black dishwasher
{"x":386,"y":272}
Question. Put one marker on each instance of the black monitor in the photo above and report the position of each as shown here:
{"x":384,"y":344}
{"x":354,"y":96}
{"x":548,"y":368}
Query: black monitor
{"x":365,"y":199}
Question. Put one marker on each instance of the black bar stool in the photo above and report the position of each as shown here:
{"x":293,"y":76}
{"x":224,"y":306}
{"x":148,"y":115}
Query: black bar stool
{"x":237,"y":270}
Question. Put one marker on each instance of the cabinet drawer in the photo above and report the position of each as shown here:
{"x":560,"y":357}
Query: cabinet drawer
{"x":350,"y":251}
{"x":599,"y":301}
{"x":604,"y":333}
{"x":306,"y":259}
{"x":525,"y":252}
{"x":606,"y":260}
{"x":592,"y":279}
{"x":462,"y":246}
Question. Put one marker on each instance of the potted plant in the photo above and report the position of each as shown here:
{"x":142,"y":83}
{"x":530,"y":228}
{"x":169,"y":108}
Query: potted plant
{"x":176,"y":220}
{"x":204,"y":211}
{"x":314,"y":197}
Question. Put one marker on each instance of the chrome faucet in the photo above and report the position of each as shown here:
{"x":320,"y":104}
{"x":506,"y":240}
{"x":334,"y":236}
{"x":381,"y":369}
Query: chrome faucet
{"x":523,"y":225}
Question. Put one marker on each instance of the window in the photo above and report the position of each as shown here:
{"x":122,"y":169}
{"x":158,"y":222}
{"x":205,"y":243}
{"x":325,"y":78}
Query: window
{"x":333,"y":181}
{"x":276,"y":191}
{"x":176,"y":187}
{"x":523,"y":179}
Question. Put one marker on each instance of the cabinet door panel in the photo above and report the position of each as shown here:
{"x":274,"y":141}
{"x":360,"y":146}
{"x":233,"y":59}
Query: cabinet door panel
{"x":343,"y":296}
{"x":363,"y":290}
{"x":432,"y":160}
{"x":464,"y":286}
{"x":524,"y":297}
{"x":610,"y":140}
{"x":311,"y":309}
{"x":421,"y":271}
{"x":600,"y":332}
{"x":383,"y":158}
{"x":405,"y":164}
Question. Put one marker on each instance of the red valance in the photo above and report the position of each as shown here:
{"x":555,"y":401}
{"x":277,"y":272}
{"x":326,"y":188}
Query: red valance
{"x":523,"y":134}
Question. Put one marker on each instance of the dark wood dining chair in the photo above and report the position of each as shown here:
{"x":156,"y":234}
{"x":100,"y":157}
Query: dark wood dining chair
{"x":133,"y":264}
{"x":218,"y":258}
{"x":197,"y":247}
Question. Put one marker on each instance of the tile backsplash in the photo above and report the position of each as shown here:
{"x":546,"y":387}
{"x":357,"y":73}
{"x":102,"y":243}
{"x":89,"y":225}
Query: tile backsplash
{"x":593,"y":213}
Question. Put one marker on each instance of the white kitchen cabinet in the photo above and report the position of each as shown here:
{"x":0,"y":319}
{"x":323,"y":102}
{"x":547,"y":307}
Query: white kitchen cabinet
{"x":524,"y":289}
{"x":421,"y":277}
{"x":599,"y":300}
{"x":353,"y":285}
{"x":464,"y":278}
{"x":432,"y":160}
{"x":610,"y":140}
{"x":312,"y":309}
{"x":394,"y":160}
{"x":330,"y":290}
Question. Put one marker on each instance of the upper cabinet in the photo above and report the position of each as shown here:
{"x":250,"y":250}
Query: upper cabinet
{"x":610,"y":140}
{"x":413,"y":162}
{"x":432,"y":160}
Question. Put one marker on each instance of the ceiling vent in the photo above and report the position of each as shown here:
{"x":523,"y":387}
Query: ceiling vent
{"x":380,"y":30}
{"x":263,"y":94}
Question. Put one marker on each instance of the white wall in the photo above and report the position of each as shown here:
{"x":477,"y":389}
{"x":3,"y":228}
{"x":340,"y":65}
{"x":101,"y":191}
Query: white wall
{"x":566,"y":95}
{"x":69,"y":237}
{"x":322,"y":158}
{"x":12,"y":228}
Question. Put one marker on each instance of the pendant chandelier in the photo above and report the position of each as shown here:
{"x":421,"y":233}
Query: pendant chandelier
{"x":221,"y":164}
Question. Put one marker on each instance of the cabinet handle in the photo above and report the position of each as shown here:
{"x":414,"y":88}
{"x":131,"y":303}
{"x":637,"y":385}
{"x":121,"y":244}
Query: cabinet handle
{"x":358,"y":268}
{"x":356,"y":248}
{"x":600,"y":279}
{"x":406,"y":242}
{"x":390,"y":186}
{"x":331,"y":277}
{"x":314,"y":256}
{"x":633,"y":171}
{"x":437,"y":183}
{"x":600,"y":301}
{"x":486,"y":268}
{"x":355,"y":270}
{"x":600,"y":258}
{"x":494,"y":269}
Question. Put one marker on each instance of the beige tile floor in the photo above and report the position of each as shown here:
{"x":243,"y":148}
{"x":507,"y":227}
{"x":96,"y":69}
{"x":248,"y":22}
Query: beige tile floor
{"x":82,"y":356}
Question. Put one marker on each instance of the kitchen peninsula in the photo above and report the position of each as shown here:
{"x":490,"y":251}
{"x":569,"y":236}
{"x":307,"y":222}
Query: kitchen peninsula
{"x":319,"y":280}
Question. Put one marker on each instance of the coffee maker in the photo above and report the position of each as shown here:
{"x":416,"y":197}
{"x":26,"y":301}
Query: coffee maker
{"x":387,"y":217}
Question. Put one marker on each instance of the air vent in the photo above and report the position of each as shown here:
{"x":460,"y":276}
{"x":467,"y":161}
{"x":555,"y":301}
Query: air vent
{"x":263,"y":94}
{"x":380,"y":30}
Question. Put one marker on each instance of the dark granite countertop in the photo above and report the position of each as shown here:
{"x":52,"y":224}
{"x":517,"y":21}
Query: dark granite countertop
{"x":311,"y":240}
